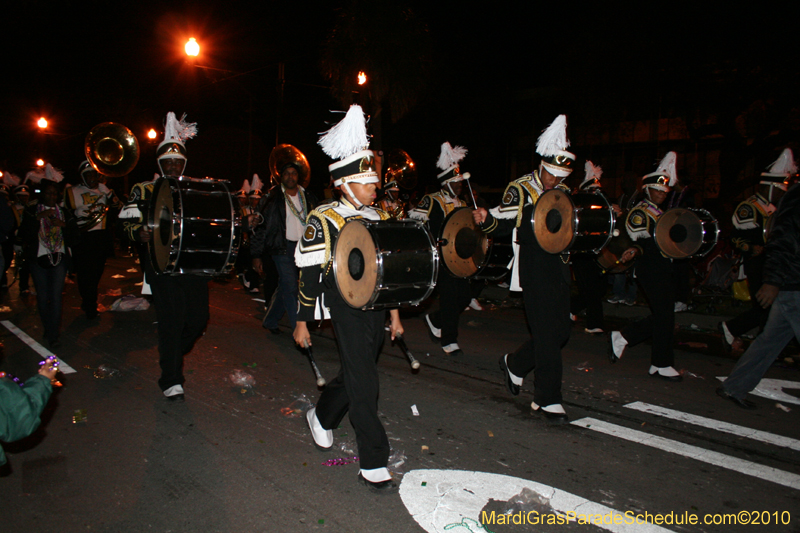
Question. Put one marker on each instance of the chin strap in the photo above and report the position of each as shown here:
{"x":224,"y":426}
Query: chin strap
{"x":355,"y":201}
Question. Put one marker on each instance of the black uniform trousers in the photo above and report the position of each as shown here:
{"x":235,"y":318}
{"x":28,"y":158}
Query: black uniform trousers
{"x":592,"y":286}
{"x":182,"y":311}
{"x":545,"y":292}
{"x":89,"y":262}
{"x":655,"y":275}
{"x":756,"y":316}
{"x":454,"y":296}
{"x":360,"y":335}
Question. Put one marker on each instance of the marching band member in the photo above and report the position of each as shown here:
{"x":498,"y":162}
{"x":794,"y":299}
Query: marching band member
{"x":655,"y":274}
{"x":90,"y":202}
{"x":359,"y":334}
{"x":589,"y":278}
{"x":391,"y":202}
{"x":245,"y":272}
{"x":543,"y":277}
{"x":181,"y":300}
{"x":454,"y":293}
{"x":749,"y":238}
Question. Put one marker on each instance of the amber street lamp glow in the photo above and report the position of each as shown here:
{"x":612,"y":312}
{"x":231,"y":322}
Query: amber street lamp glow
{"x":192,"y":48}
{"x":362,"y":78}
{"x":42,"y":123}
{"x":151,"y":134}
{"x":40,"y":162}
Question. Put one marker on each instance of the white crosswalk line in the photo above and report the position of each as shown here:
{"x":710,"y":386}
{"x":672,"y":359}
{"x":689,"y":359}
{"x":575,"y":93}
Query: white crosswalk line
{"x":38,"y":348}
{"x":749,"y":468}
{"x":710,"y":423}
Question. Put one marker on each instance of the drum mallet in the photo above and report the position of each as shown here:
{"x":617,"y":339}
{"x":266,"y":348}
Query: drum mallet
{"x":320,"y":380}
{"x":402,"y":344}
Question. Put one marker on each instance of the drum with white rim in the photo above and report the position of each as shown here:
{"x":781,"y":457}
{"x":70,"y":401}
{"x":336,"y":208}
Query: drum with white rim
{"x":196,"y":226}
{"x":385,"y":264}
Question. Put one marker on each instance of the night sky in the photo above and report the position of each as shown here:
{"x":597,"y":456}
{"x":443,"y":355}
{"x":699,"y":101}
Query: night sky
{"x":79,"y":66}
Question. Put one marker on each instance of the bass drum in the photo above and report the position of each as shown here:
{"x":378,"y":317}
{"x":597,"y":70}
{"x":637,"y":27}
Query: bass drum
{"x":608,"y":258}
{"x":581,"y":223}
{"x":383,"y":264}
{"x":682,"y":233}
{"x":196,"y":227}
{"x":497,"y":264}
{"x":465,"y":248}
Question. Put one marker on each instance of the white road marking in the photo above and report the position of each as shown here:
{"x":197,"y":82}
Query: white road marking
{"x":749,"y":468}
{"x":710,"y":423}
{"x":772,"y":389}
{"x":38,"y":348}
{"x":452,"y":500}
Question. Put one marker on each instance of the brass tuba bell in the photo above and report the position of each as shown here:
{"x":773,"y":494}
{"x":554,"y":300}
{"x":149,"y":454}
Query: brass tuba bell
{"x":400,"y":168}
{"x":112,"y":149}
{"x":285,"y":154}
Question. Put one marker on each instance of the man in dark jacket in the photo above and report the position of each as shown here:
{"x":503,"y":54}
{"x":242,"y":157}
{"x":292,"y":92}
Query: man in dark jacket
{"x":781,"y":290}
{"x":284,"y":210}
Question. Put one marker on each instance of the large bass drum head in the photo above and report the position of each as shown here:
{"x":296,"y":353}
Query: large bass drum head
{"x":355,"y":265}
{"x":466,"y":249}
{"x":679,"y":233}
{"x":161,"y":220}
{"x":554,"y":221}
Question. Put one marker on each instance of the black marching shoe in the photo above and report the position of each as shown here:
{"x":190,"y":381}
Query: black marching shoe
{"x":554,"y":417}
{"x":380,"y":487}
{"x":741,"y":402}
{"x":512,"y":387}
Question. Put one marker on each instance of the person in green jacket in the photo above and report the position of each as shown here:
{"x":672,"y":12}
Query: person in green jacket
{"x":21,"y":405}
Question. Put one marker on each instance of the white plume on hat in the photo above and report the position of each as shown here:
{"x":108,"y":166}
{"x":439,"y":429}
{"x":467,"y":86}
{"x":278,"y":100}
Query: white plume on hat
{"x":667,"y":168}
{"x":257,"y":185}
{"x":10,"y":179}
{"x":348,"y":136}
{"x":592,"y":172}
{"x":450,"y":156}
{"x":784,"y":166}
{"x":553,"y":139}
{"x":47,"y":173}
{"x":245,"y":187}
{"x":178,"y":130}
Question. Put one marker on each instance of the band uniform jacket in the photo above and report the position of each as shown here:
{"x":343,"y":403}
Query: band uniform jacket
{"x":749,"y":220}
{"x":434,"y":208}
{"x":314,"y":254}
{"x":85,"y":203}
{"x":134,"y":217}
{"x":513,"y":215}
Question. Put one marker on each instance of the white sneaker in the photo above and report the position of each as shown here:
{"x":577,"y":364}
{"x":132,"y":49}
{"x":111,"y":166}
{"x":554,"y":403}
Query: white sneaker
{"x":475,"y":304}
{"x":436,"y":332}
{"x":680,"y":307}
{"x":618,"y":344}
{"x":174,"y":393}
{"x":614,"y":300}
{"x":593,"y":330}
{"x":323,"y":438}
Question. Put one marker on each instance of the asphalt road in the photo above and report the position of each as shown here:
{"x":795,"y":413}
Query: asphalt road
{"x":228,"y":460}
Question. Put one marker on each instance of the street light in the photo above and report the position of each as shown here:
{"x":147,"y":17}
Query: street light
{"x":362,"y":78}
{"x":192,"y":48}
{"x":152,"y":134}
{"x":40,"y":162}
{"x":42,"y":122}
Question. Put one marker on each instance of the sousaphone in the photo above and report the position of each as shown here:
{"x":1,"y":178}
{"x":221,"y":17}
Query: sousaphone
{"x":112,"y":149}
{"x":285,"y":154}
